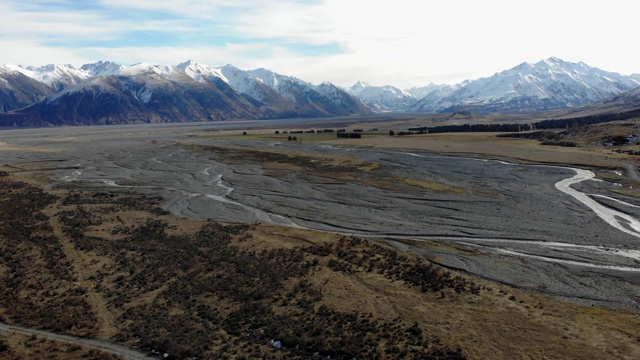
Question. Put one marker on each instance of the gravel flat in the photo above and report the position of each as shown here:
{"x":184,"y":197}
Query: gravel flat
{"x":546,"y":228}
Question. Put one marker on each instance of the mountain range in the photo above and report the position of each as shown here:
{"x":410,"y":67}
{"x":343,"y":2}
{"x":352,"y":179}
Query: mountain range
{"x":109,"y":93}
{"x":546,"y":85}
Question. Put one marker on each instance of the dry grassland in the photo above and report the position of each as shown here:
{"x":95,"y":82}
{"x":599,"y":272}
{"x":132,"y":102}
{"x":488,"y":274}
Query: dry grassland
{"x":487,"y":145}
{"x":116,"y":267}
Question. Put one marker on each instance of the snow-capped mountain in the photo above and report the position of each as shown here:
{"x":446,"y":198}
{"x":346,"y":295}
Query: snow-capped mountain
{"x":58,"y":77}
{"x":382,"y":98}
{"x":159,"y":71}
{"x":142,"y":93}
{"x":201,"y":73}
{"x":108,"y":93}
{"x":341,"y":99}
{"x":434,"y":99}
{"x":18,"y":90}
{"x":55,"y":76}
{"x":547,"y":84}
{"x":357,"y":87}
{"x":287,"y":86}
{"x":278,"y":95}
{"x":422,"y":91}
{"x":105,"y":92}
{"x":306,"y":97}
{"x":245,"y":83}
{"x":101,"y":68}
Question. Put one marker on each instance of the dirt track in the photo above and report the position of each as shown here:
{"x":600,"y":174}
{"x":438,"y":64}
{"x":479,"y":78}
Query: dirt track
{"x":87,"y":343}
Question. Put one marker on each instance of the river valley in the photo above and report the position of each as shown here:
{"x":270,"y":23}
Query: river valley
{"x":552,"y":229}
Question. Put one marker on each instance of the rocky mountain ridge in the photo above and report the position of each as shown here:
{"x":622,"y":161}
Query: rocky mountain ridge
{"x":546,"y":85}
{"x":108,"y":93}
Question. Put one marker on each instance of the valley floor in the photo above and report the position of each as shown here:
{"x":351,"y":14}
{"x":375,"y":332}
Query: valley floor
{"x":342,"y":248}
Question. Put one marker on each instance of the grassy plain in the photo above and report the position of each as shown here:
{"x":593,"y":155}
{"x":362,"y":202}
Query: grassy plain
{"x":488,"y":145}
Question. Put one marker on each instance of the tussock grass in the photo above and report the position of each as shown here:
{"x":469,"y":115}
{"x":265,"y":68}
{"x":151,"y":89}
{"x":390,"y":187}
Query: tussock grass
{"x":435,"y":186}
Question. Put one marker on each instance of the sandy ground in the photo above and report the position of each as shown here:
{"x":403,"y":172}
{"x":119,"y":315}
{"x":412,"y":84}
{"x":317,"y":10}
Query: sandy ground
{"x":506,"y":222}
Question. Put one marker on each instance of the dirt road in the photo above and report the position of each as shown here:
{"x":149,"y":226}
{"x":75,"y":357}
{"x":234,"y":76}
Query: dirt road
{"x":87,"y":343}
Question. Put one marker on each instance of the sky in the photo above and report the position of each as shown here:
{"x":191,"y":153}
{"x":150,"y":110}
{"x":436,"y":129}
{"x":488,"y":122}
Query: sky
{"x":405,"y":43}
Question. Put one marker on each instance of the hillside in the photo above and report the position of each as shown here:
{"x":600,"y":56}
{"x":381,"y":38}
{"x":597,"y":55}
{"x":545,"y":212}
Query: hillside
{"x":545,"y":85}
{"x":106,"y":93}
{"x":65,"y":95}
{"x":18,"y":90}
{"x":623,"y":102}
{"x":133,"y":99}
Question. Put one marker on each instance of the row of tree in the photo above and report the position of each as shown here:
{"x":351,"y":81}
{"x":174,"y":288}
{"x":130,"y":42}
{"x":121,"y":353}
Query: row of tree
{"x":353,"y":135}
{"x":540,"y":125}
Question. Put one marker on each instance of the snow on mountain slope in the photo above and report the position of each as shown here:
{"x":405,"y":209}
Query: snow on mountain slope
{"x":239,"y":80}
{"x":228,"y":92}
{"x":101,"y":68}
{"x":287,"y":86}
{"x":382,"y":98}
{"x":547,"y":84}
{"x":420,"y":92}
{"x":200,"y":72}
{"x":434,"y":99}
{"x":243,"y":82}
{"x":55,"y":76}
{"x":342,"y":99}
{"x":159,"y":70}
{"x":274,"y":94}
{"x":357,"y":87}
{"x":58,"y":77}
{"x":18,"y":90}
{"x":4,"y":69}
{"x":190,"y":92}
{"x":142,"y":94}
{"x":309,"y":100}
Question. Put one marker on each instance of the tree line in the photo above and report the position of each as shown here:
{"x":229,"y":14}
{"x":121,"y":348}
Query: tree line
{"x":540,"y":125}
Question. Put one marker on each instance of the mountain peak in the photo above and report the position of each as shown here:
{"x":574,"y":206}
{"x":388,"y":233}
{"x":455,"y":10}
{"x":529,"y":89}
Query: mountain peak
{"x":361,"y":83}
{"x":358,"y":87}
{"x":48,"y":67}
{"x":8,"y":67}
{"x":200,"y":72}
{"x":551,"y":61}
{"x":186,"y":64}
{"x":149,"y":67}
{"x":102,"y":68}
{"x":548,"y":84}
{"x":162,"y":70}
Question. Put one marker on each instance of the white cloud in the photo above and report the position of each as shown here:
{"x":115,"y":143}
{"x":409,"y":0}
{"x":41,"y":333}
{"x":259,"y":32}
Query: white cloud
{"x":405,"y":43}
{"x":29,"y":52}
{"x":410,"y":42}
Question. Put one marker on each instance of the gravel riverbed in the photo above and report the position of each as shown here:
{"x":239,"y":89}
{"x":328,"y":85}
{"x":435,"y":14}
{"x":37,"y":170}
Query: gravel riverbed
{"x":529,"y":226}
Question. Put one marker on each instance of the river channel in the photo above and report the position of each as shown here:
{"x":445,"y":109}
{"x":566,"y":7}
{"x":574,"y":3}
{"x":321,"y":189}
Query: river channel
{"x":547,"y":228}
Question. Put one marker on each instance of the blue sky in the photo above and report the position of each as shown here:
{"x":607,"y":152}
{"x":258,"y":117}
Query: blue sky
{"x":402,"y":42}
